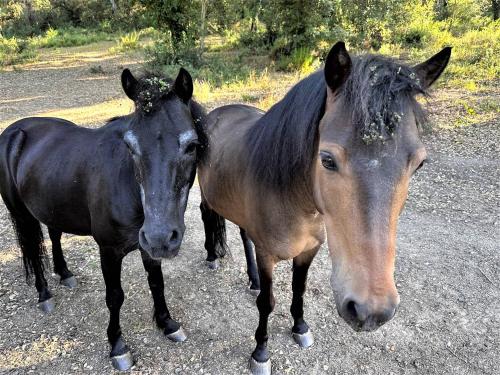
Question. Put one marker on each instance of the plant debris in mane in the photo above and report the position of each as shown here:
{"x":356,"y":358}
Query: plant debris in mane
{"x":377,"y":90}
{"x":376,"y":96}
{"x":152,"y":90}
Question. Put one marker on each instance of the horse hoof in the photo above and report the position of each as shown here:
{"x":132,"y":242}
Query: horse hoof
{"x":122,"y":362}
{"x":69,"y":282}
{"x":260,"y":368}
{"x":47,"y":306}
{"x":304,"y":340}
{"x":177,"y":336}
{"x":254,"y":292}
{"x":213,"y":264}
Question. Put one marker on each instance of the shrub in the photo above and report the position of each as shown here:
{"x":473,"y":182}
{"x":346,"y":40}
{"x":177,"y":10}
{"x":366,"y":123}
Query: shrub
{"x":14,"y":51}
{"x":301,"y":59}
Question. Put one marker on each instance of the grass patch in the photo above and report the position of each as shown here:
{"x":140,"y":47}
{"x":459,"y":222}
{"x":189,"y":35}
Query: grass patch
{"x":69,"y":37}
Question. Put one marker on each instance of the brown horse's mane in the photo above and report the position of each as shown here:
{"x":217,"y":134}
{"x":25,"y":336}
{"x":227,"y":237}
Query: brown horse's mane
{"x":374,"y":96}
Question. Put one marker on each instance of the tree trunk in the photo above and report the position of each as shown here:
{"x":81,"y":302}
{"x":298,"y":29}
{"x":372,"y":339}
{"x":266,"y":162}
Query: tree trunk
{"x":202,"y":31}
{"x":113,"y":6}
{"x":495,"y":8}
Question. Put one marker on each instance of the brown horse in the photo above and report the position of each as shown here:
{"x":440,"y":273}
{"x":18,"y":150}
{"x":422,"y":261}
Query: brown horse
{"x":337,"y":152}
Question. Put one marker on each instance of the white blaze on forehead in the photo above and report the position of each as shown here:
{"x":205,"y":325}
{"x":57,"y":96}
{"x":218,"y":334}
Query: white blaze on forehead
{"x":374,"y":163}
{"x":186,"y":136}
{"x":131,"y":139}
{"x":143,"y":197}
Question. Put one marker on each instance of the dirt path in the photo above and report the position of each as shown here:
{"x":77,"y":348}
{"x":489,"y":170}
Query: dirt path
{"x":448,"y":274}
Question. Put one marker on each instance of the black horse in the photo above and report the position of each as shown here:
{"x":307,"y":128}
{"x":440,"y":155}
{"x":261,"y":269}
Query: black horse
{"x":126,"y":184}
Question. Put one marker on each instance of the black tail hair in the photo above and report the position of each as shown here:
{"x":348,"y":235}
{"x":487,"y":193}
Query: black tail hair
{"x":215,"y":231}
{"x":30,"y":239}
{"x":27,"y":228}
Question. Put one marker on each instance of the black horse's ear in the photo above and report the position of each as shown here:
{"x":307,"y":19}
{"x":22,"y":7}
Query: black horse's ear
{"x":183,"y":85}
{"x":431,"y":69}
{"x":337,"y":66}
{"x":130,"y":84}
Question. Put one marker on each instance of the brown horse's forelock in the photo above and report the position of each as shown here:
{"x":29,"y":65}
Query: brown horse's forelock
{"x":375,"y":95}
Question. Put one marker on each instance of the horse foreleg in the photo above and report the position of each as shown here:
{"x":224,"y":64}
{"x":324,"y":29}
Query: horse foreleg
{"x":60,"y":266}
{"x":253,"y":274}
{"x":260,"y":362}
{"x":170,"y":327}
{"x":111,"y":265}
{"x":300,"y":331}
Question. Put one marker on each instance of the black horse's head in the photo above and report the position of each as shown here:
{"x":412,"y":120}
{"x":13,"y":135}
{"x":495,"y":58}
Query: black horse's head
{"x":162,"y":141}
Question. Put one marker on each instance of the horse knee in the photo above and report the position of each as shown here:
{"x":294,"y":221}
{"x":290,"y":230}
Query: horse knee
{"x":115,"y":298}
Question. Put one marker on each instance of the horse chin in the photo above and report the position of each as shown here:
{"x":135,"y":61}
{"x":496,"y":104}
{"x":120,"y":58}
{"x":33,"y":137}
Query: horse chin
{"x":367,"y":326}
{"x":162,"y":254}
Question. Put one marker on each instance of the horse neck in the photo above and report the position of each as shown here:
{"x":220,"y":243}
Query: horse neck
{"x":300,"y":197}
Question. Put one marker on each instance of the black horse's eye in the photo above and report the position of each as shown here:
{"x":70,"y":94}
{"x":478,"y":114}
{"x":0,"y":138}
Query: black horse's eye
{"x":328,"y":161}
{"x":191,"y":148}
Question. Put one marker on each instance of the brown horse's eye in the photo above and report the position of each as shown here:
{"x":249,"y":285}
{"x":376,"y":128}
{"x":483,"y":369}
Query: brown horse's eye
{"x":328,"y":161}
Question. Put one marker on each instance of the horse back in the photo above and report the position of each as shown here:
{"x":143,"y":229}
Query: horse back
{"x":54,"y":166}
{"x":222,"y":174}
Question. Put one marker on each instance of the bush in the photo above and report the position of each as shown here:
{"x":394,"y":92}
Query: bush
{"x":14,"y":51}
{"x":301,"y":59}
{"x":162,"y":53}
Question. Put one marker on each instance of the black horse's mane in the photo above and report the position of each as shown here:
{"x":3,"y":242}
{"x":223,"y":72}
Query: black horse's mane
{"x":283,"y":141}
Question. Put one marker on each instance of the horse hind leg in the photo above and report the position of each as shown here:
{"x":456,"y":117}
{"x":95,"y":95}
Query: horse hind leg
{"x":30,"y":240}
{"x":60,"y":266}
{"x":253,"y":274}
{"x":215,"y":235}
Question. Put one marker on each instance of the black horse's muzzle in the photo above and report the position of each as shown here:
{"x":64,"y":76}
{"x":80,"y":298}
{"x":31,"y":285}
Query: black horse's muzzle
{"x":161,"y":243}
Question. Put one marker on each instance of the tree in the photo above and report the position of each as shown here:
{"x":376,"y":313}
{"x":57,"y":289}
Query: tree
{"x":179,"y":17}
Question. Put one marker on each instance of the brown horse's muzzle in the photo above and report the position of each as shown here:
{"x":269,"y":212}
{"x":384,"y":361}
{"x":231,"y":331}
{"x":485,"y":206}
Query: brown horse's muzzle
{"x":366,"y":316}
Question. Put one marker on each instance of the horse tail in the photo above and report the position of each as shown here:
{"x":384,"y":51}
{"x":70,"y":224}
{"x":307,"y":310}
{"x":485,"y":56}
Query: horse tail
{"x":26,"y":227}
{"x":215,"y":231}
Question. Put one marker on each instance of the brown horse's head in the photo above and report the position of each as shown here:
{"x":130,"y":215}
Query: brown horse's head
{"x":368,"y":150}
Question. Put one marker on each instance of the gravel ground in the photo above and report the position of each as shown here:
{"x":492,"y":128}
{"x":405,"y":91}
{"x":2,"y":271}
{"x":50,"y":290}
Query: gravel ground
{"x":448,"y":275}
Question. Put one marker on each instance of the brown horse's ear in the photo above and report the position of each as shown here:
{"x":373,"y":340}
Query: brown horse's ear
{"x":183,"y":85}
{"x":130,"y":84}
{"x":431,"y":69}
{"x":337,"y":66}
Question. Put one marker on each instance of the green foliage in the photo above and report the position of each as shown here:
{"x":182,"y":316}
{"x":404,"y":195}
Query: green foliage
{"x":69,"y":37}
{"x":301,"y":60}
{"x":15,"y":51}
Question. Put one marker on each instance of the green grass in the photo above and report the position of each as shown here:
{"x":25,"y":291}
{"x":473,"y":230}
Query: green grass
{"x":69,"y":37}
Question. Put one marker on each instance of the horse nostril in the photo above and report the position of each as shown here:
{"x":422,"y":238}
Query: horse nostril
{"x":174,"y":236}
{"x":354,"y":311}
{"x":143,"y":241}
{"x":350,"y":308}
